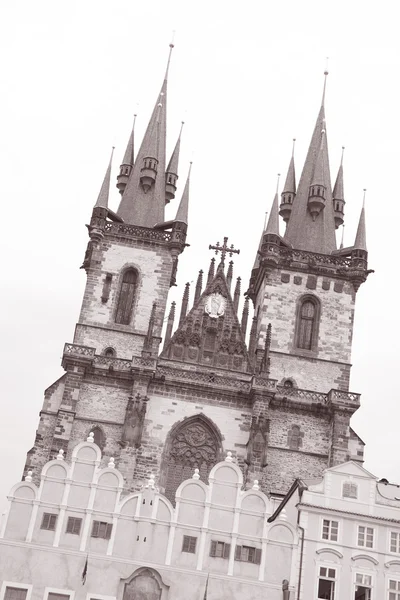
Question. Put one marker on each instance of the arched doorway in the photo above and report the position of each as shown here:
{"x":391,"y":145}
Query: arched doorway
{"x":192,"y":444}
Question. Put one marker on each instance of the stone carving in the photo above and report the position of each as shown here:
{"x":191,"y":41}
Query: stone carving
{"x":134,"y":421}
{"x":215,"y":305}
{"x":143,"y":587}
{"x":258,"y":442}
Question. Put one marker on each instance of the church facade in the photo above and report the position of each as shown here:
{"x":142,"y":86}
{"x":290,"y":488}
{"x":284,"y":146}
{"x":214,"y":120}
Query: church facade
{"x":268,"y":387}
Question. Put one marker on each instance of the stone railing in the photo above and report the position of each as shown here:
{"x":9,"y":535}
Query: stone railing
{"x":211,"y":379}
{"x":144,"y":363}
{"x":314,"y":259}
{"x":339,"y":396}
{"x":304,"y":395}
{"x":118,"y":364}
{"x":138,"y":232}
{"x":77,"y":350}
{"x":270,"y":384}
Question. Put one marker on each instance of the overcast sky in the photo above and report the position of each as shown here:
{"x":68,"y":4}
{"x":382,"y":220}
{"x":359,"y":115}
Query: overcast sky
{"x":246,"y":77}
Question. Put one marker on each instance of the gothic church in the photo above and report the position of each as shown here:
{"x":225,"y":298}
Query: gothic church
{"x":270,"y":385}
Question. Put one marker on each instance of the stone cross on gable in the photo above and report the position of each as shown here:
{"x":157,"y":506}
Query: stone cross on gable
{"x":224,"y":249}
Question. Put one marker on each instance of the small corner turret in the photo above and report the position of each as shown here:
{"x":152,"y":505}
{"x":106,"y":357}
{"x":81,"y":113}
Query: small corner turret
{"x":289,"y":190}
{"x":338,"y":196}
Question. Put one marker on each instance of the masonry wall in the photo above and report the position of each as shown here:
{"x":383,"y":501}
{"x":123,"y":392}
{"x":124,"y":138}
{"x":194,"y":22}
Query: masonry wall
{"x":97,"y":327}
{"x":277,"y":302}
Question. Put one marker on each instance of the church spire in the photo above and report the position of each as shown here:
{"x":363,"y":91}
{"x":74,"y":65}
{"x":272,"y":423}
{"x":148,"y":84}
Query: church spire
{"x":171,"y":174}
{"x":102,"y":200}
{"x":338,"y":196}
{"x":273,"y":220}
{"x":311,"y":226}
{"x":361,"y":236}
{"x":143,"y":200}
{"x":127,"y":162}
{"x":289,"y":190}
{"x":183,"y":210}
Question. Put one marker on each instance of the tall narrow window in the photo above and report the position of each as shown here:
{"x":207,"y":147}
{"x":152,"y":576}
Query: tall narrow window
{"x":326,"y":583}
{"x":307,"y":324}
{"x":126,"y":297}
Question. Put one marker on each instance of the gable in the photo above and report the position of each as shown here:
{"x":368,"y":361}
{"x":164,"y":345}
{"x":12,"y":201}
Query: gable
{"x":351,"y":468}
{"x":211,"y":335}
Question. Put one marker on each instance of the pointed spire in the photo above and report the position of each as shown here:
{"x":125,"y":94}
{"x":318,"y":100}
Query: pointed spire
{"x":102,"y":200}
{"x":170,"y":324}
{"x":305,"y":230}
{"x":236,"y":295}
{"x":273,"y":221}
{"x":171,"y":174}
{"x":229,"y":274}
{"x":143,"y":200}
{"x":185,"y":302}
{"x":289,"y":190}
{"x":211,"y":271}
{"x":147,"y":345}
{"x":245,"y":317}
{"x":326,"y":73}
{"x":199,"y":285}
{"x":127,"y":162}
{"x":182,"y":214}
{"x":361,"y":236}
{"x":338,"y":195}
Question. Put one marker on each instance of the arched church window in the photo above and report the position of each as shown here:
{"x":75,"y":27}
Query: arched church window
{"x":193,"y":445}
{"x":307,"y":322}
{"x":295,"y":437}
{"x":98,"y":437}
{"x":109,"y":352}
{"x":126,"y":297}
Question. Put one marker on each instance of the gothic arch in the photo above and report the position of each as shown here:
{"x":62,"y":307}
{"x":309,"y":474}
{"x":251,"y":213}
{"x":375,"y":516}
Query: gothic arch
{"x":99,"y":436}
{"x":308,"y":315}
{"x":193,"y":443}
{"x":127,"y":294}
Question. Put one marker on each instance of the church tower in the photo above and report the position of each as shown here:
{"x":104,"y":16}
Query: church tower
{"x":271,"y":391}
{"x":304,"y":290}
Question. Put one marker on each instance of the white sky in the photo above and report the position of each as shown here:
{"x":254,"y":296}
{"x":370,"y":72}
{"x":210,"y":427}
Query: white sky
{"x":246,"y":77}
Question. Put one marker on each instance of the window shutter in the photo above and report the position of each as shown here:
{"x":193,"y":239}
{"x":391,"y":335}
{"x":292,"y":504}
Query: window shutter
{"x":213,"y":548}
{"x":70,"y":525}
{"x":257,"y":558}
{"x":238,"y":552}
{"x":185,"y":545}
{"x":227,"y":550}
{"x":52,"y":523}
{"x":108,"y":531}
{"x":77,"y":526}
{"x":95,"y":528}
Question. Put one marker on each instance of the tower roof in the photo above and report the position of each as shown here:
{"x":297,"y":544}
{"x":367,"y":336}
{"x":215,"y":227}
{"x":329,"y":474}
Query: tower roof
{"x":102,"y":200}
{"x":183,"y":210}
{"x":273,"y":220}
{"x":290,"y":183}
{"x":361,"y":235}
{"x":129,"y":156}
{"x":338,"y":190}
{"x":174,"y":160}
{"x":140,"y":206}
{"x":302,"y":231}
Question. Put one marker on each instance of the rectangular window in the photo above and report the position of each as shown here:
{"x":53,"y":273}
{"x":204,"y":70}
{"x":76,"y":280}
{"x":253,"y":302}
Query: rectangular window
{"x":49,"y":521}
{"x":394,"y":590}
{"x":100,"y":529}
{"x":365,"y":536}
{"x":363,"y":587}
{"x":56,"y":596}
{"x":248,"y":554}
{"x":350,"y":490}
{"x":189,"y":544}
{"x":74,"y":525}
{"x":326,"y":583}
{"x":13,"y":593}
{"x":395,"y":542}
{"x":330,"y":530}
{"x":220,"y":549}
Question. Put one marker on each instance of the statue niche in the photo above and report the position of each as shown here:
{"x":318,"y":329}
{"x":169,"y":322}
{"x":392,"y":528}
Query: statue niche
{"x":134,"y":421}
{"x":258,"y":443}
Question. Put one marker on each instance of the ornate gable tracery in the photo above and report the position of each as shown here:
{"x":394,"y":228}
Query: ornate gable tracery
{"x":210,"y":334}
